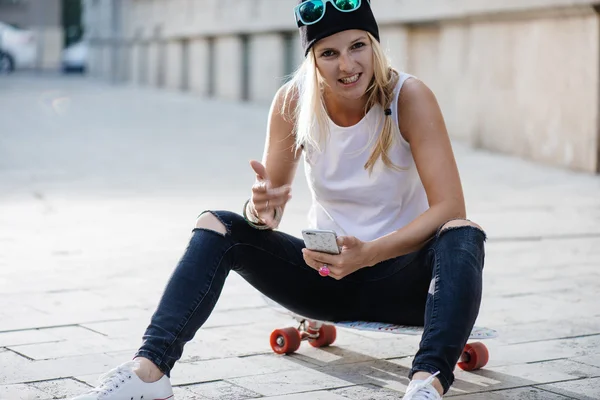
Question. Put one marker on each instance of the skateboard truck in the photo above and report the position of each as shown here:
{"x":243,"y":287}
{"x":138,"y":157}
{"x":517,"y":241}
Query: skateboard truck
{"x":287,"y":340}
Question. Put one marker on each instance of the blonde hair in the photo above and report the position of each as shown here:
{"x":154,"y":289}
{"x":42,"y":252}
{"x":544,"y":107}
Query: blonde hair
{"x":306,"y":87}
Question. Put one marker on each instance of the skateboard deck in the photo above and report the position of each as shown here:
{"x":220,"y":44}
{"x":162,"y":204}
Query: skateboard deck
{"x":478,"y":332}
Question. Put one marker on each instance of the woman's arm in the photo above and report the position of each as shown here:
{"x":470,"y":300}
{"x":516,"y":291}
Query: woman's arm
{"x":423,"y":126}
{"x":276,"y":173}
{"x":279,"y":157}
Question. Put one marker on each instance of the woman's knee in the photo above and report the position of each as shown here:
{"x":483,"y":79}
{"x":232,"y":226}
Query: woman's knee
{"x":461,"y":238}
{"x":459,"y":223}
{"x":209,"y":221}
{"x":464,"y":229}
{"x":460,"y":234}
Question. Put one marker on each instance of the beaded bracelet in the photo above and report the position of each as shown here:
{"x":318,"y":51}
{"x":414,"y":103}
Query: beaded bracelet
{"x":255,"y":222}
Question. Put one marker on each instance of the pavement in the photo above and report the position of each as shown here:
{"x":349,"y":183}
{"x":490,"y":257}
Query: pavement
{"x":100,"y":186}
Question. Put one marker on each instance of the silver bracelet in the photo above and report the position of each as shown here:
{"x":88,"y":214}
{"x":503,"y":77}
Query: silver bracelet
{"x":254,"y":221}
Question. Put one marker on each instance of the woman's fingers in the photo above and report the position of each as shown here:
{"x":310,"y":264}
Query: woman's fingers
{"x":263,"y":190}
{"x":334,"y":272}
{"x":268,"y":199}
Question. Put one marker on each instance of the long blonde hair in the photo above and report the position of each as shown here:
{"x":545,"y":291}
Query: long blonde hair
{"x":311,"y":121}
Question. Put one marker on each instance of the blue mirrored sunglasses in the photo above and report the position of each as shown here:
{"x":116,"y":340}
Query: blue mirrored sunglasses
{"x":312,"y":11}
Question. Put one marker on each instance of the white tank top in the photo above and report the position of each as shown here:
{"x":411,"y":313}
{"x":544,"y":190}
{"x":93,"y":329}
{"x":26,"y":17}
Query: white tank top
{"x":349,"y":201}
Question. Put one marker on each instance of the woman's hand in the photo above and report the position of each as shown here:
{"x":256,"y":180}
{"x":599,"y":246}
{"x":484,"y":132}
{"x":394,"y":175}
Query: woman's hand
{"x":265,"y":199}
{"x":355,"y":254}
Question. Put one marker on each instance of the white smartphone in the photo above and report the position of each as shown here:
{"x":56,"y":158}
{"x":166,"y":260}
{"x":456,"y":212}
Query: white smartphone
{"x":321,"y":240}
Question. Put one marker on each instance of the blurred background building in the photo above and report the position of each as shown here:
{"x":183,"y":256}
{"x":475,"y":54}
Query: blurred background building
{"x":515,"y":76}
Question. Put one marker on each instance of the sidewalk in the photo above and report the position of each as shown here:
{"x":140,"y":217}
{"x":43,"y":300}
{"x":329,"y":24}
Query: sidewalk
{"x":99,"y":189}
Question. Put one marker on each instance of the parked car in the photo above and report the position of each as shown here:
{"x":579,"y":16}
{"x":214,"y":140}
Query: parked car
{"x":75,"y":57}
{"x":18,"y":48}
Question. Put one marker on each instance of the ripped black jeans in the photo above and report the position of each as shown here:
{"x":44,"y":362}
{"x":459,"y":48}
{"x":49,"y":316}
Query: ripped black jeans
{"x":438,"y":287}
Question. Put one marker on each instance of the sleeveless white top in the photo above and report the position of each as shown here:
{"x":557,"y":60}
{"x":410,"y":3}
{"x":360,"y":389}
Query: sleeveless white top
{"x":345,"y":198}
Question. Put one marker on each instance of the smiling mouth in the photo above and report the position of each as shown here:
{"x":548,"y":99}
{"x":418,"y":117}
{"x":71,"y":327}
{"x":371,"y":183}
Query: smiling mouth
{"x":351,"y":79}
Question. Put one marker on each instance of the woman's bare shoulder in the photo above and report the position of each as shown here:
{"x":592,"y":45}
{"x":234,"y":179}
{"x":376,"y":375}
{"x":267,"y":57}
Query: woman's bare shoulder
{"x":413,"y":90}
{"x":417,"y":107}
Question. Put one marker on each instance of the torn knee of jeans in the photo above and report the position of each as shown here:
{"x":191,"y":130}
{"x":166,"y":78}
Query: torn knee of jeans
{"x":209,"y":221}
{"x":459,"y":223}
{"x":432,"y":286}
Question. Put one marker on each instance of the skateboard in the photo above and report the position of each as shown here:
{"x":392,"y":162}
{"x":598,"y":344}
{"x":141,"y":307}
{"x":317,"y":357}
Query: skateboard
{"x":323,"y":333}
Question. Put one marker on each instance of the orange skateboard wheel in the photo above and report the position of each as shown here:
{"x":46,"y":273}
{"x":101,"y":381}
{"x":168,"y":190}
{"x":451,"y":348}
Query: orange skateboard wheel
{"x":475,"y":355}
{"x":327,"y":335}
{"x":285,"y":341}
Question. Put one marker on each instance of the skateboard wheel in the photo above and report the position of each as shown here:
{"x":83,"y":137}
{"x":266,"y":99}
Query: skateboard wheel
{"x":474,"y":356}
{"x":327,"y":335}
{"x":285,"y":341}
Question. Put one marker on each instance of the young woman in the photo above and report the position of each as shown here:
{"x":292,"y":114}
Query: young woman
{"x":382,"y":174}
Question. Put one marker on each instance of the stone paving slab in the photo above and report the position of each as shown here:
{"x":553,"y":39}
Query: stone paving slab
{"x":514,"y":394}
{"x":593,"y":359}
{"x":22,"y":391}
{"x":584,"y":389}
{"x":289,"y":382}
{"x":60,"y":388}
{"x":366,"y":392}
{"x":219,"y":390}
{"x":318,"y":395}
{"x":17,"y":369}
{"x":97,"y":200}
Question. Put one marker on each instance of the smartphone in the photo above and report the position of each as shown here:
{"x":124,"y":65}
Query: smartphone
{"x":321,"y":240}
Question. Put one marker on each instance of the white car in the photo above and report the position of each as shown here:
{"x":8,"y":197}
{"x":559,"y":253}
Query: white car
{"x":75,"y":57}
{"x":18,"y":48}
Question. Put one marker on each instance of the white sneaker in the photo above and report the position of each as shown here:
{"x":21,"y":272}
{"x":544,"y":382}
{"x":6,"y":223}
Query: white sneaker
{"x":422,"y":390}
{"x":122,"y":383}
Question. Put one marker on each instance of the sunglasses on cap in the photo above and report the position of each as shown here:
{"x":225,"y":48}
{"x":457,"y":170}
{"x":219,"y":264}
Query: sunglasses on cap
{"x":312,"y":11}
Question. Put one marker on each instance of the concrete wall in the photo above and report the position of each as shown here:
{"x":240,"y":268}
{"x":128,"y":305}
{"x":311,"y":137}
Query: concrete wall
{"x":96,"y":61}
{"x":394,"y":40}
{"x":527,"y":87}
{"x":199,"y":66}
{"x":514,"y":76}
{"x":135,"y":75}
{"x":183,"y":17}
{"x":32,"y":14}
{"x":153,"y":64}
{"x":228,"y":59}
{"x":174,"y":64}
{"x":50,"y":45}
{"x":266,"y":66}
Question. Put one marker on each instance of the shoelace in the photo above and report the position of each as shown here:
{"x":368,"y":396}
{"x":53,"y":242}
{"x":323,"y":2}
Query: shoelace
{"x":416,"y":392}
{"x":113,"y":378}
